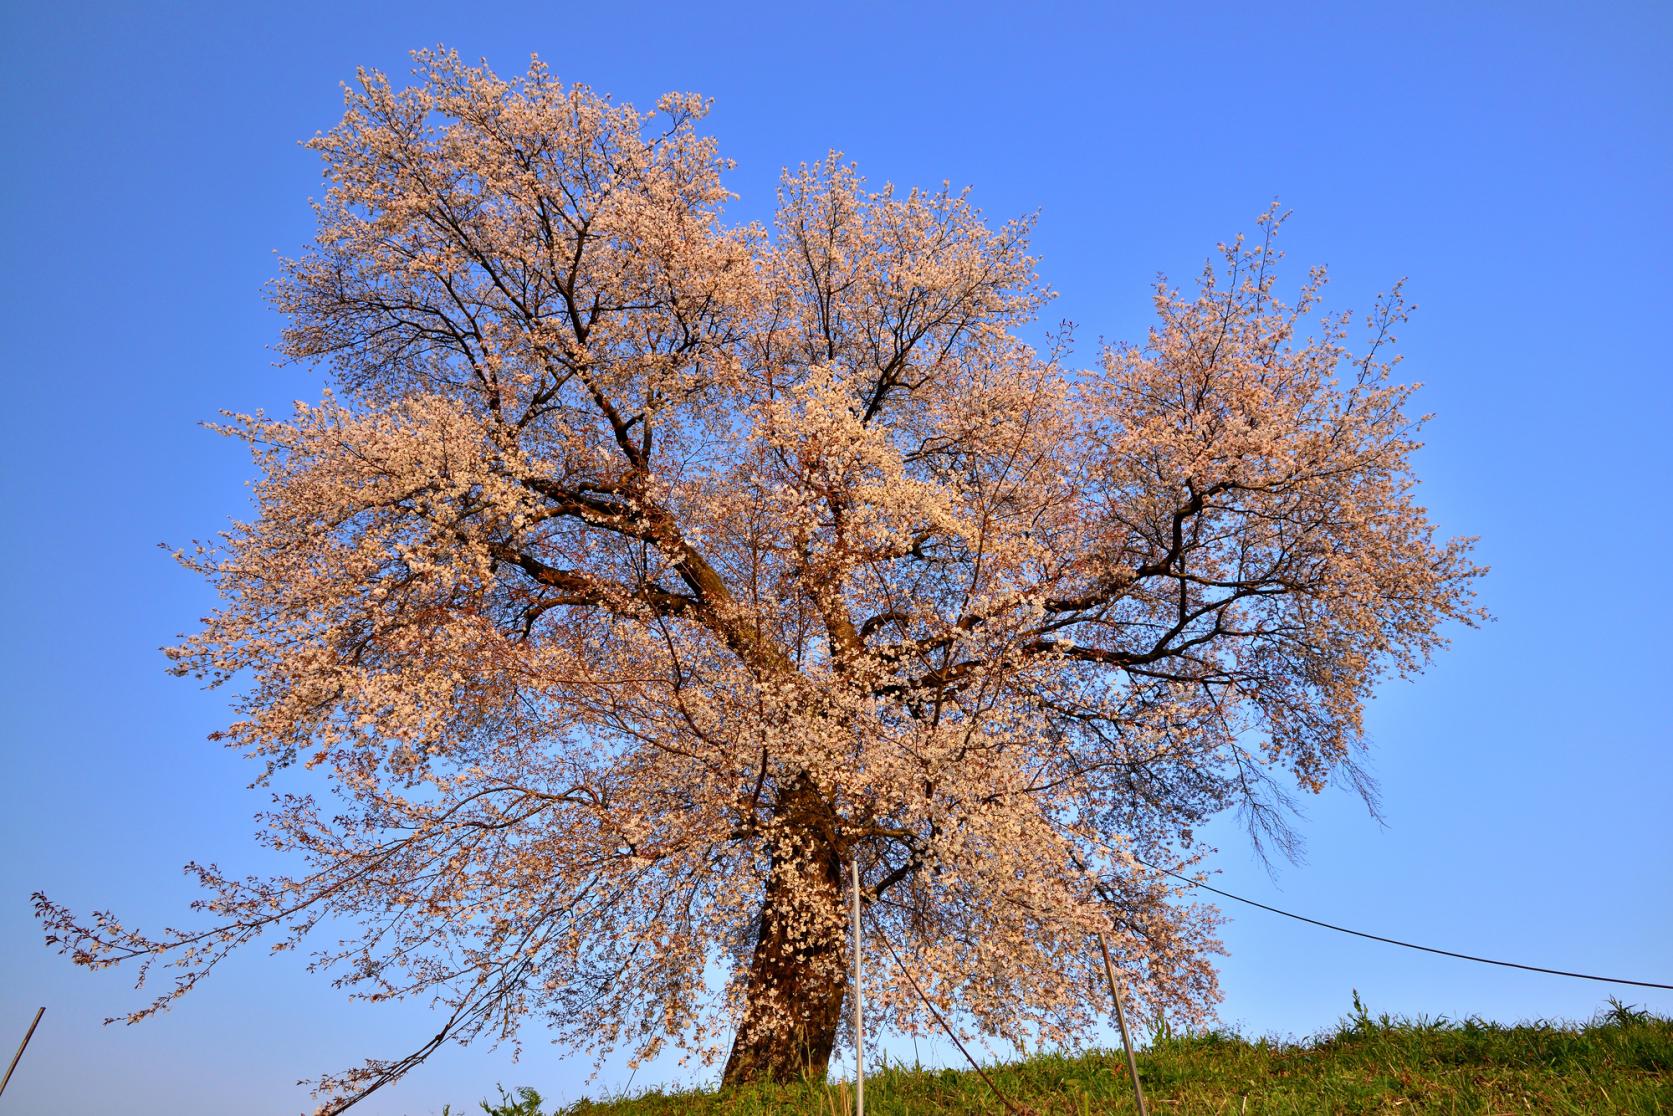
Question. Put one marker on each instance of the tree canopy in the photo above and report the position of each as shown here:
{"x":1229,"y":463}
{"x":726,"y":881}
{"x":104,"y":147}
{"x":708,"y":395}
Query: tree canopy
{"x":641,"y":570}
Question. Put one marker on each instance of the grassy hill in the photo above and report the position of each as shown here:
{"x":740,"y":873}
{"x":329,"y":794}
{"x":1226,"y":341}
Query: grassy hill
{"x":1620,"y":1062}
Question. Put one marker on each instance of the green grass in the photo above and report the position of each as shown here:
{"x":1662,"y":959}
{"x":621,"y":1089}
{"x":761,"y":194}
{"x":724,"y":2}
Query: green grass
{"x":1620,"y":1062}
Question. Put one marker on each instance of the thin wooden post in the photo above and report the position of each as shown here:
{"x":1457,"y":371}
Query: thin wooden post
{"x":859,"y":1022}
{"x":1121,"y":1020}
{"x":27,"y":1035}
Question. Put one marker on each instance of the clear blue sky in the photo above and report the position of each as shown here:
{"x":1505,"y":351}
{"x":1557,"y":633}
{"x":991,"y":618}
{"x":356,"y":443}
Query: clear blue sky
{"x":1515,"y":160}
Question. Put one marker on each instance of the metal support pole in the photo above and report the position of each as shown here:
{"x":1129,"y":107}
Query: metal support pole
{"x":1121,"y":1020}
{"x":29,"y":1034}
{"x":859,"y":1024}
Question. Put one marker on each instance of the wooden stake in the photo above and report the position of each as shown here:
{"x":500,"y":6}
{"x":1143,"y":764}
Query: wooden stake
{"x":859,"y":1025}
{"x":1121,"y":1020}
{"x":29,"y":1034}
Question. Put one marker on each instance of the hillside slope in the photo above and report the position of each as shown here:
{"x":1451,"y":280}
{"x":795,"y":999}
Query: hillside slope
{"x":1620,"y":1062}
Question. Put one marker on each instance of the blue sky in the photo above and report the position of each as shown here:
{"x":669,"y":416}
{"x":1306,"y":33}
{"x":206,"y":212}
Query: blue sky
{"x":1515,"y":161}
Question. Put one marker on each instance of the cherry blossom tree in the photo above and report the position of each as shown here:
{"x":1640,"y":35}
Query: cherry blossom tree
{"x":641,"y":571}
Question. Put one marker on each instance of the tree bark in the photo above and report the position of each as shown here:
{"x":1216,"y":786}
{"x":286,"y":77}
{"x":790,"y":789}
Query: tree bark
{"x":798,"y":972}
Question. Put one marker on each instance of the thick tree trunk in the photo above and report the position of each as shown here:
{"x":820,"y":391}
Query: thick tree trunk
{"x":797,"y":975}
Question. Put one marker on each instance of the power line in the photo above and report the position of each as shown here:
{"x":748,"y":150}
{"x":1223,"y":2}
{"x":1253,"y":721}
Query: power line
{"x":1398,"y":942}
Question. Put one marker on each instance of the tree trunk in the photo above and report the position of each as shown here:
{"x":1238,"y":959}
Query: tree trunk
{"x":798,"y":973}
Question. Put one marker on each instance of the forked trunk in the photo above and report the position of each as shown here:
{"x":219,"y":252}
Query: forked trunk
{"x":797,"y":975}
